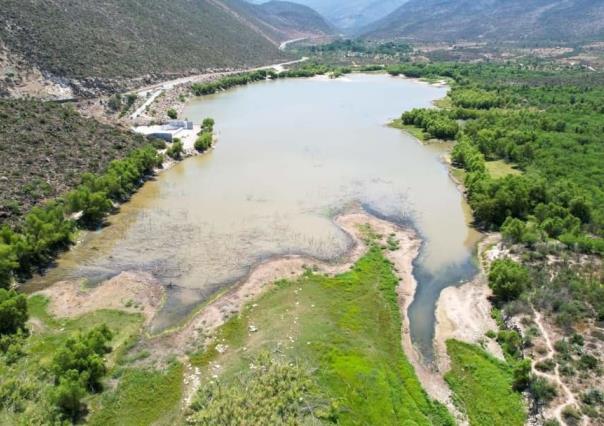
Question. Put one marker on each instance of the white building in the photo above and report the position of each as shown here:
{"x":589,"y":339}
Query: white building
{"x":168,"y":132}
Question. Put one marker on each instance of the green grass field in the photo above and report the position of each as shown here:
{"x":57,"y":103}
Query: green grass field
{"x":416,"y":132}
{"x":346,"y":330}
{"x":499,"y":168}
{"x":482,"y":387}
{"x":142,"y":397}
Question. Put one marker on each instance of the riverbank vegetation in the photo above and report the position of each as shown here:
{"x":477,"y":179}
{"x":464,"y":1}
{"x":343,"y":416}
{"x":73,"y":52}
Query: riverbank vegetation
{"x":319,"y":333}
{"x":531,"y":120}
{"x":529,"y":148}
{"x":50,"y":228}
{"x":304,"y":71}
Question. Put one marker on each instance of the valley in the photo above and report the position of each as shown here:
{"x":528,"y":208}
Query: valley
{"x":223,"y":212}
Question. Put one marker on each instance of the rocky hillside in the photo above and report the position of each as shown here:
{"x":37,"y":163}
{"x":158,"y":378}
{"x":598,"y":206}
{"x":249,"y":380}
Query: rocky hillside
{"x":350,"y":15}
{"x":46,"y":147}
{"x":493,"y":20}
{"x":129,"y":38}
{"x":285,"y":20}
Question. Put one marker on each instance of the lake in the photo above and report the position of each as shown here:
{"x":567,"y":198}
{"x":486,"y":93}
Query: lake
{"x":290,"y":155}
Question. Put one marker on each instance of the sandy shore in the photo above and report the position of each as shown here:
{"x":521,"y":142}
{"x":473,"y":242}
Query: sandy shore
{"x":464,"y":312}
{"x":134,"y":292}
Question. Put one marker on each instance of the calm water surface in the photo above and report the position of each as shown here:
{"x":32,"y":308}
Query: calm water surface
{"x":291,"y":153}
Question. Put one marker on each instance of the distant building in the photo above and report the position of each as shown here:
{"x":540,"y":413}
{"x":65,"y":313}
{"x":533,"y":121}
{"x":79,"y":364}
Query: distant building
{"x":166,"y":132}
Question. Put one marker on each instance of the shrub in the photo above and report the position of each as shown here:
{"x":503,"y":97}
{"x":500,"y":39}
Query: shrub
{"x":83,"y":355}
{"x":172,"y":113}
{"x":208,"y":125}
{"x":507,"y":279}
{"x":8,"y":263}
{"x":593,"y":397}
{"x":521,"y":375}
{"x":13,"y":312}
{"x":275,"y":392}
{"x":588,"y":362}
{"x":542,"y":391}
{"x":175,"y":150}
{"x":571,"y":416}
{"x":203,"y":142}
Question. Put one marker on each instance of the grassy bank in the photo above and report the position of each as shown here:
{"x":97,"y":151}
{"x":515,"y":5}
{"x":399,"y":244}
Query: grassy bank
{"x":143,"y":397}
{"x":28,"y":383}
{"x":412,"y":130}
{"x":482,"y":387}
{"x":344,"y":332}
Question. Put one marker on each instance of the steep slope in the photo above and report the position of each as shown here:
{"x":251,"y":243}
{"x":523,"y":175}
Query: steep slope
{"x":510,"y":20}
{"x":351,"y":15}
{"x":46,"y":147}
{"x":285,"y":20}
{"x":129,"y":38}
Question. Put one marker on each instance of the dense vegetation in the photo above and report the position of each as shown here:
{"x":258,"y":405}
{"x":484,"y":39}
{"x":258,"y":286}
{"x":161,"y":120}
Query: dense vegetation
{"x":127,"y":38}
{"x":44,"y":150}
{"x":362,"y":47}
{"x":547,"y":124}
{"x":326,"y":326}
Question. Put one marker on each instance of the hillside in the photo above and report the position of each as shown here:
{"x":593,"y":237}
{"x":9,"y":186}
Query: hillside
{"x":128,"y":38}
{"x":493,"y":20}
{"x":351,"y":15}
{"x":285,"y":20}
{"x":44,"y":150}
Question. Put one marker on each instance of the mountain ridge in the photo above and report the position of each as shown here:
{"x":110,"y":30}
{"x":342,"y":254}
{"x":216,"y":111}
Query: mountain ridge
{"x":492,"y":20}
{"x":82,"y":39}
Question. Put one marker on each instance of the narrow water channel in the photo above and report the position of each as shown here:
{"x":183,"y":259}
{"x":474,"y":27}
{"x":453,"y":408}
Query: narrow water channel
{"x":291,"y":154}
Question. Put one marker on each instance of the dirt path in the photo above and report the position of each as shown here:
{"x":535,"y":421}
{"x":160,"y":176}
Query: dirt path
{"x":570,"y":399}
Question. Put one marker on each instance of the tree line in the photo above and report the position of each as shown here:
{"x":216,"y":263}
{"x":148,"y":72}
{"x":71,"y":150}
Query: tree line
{"x":48,"y":229}
{"x":552,"y":134}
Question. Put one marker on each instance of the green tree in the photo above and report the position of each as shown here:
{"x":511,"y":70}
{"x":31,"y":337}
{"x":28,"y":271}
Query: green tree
{"x":83,"y":354}
{"x":203,"y":142}
{"x":172,"y":113}
{"x":507,"y":279}
{"x":175,"y":150}
{"x":208,"y":125}
{"x":68,"y":394}
{"x":8,"y":263}
{"x":13,"y":311}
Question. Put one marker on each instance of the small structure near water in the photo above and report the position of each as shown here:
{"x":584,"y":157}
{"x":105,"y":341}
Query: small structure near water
{"x":167,"y":132}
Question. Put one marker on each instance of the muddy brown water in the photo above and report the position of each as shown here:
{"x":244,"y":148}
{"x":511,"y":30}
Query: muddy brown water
{"x":290,"y":155}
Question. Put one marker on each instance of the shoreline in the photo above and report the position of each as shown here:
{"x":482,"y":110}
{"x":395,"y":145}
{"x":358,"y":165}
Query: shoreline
{"x":146,"y":295}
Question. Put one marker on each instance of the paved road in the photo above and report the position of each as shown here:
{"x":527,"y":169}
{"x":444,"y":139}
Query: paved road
{"x":155,"y":90}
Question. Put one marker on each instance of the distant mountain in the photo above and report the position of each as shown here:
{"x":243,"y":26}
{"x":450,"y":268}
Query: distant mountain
{"x":495,"y":20}
{"x":351,"y":15}
{"x":130,"y":38}
{"x":287,"y":20}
